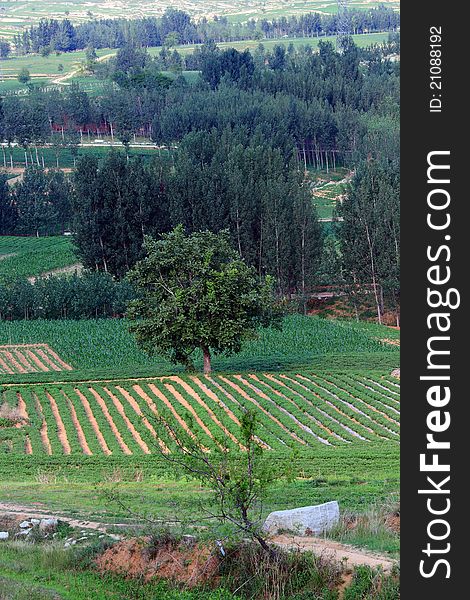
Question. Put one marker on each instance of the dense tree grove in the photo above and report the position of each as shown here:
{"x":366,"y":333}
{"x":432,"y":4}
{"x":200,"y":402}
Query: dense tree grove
{"x":243,"y":140}
{"x":90,"y":296}
{"x":370,"y":234}
{"x":177,"y":27}
{"x":115,"y":204}
{"x":39,"y":204}
{"x":332,"y":107}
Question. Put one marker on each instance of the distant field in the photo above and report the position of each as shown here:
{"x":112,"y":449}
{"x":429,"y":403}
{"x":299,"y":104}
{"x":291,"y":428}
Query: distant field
{"x":65,"y":158}
{"x":30,"y":256}
{"x":327,"y":189}
{"x":44,"y":71}
{"x":45,"y":65}
{"x":17,"y":15}
{"x":362,"y":40}
{"x":107,"y":347}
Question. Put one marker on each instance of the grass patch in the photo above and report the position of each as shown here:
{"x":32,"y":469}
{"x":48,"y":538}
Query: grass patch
{"x":30,"y":256}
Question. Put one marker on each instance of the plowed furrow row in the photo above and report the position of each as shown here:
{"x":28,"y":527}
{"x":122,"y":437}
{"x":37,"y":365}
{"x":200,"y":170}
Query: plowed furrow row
{"x":22,"y":407}
{"x":15,"y":364}
{"x":189,"y":390}
{"x":387,"y":402}
{"x":264,"y":396}
{"x":348,"y":404}
{"x":258,"y":405}
{"x":78,"y":428}
{"x":109,"y":419}
{"x":189,"y":408}
{"x":384,"y":401}
{"x":4,"y":367}
{"x":21,"y":358}
{"x":43,"y":431}
{"x":65,"y":366}
{"x":316,"y":421}
{"x":334,"y":408}
{"x":61,"y":432}
{"x":384,"y":388}
{"x":28,"y":449}
{"x":230,"y":397}
{"x":93,"y":422}
{"x":46,"y":360}
{"x":161,"y":396}
{"x":35,"y":360}
{"x":133,"y":431}
{"x":136,"y":408}
{"x":342,"y":387}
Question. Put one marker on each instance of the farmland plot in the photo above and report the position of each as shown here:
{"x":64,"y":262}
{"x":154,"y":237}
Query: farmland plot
{"x":30,"y":358}
{"x":17,"y":15}
{"x":31,"y":256}
{"x":304,"y":410}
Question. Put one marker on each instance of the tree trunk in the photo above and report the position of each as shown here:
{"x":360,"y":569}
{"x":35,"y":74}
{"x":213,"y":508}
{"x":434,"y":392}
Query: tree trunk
{"x":207,"y":360}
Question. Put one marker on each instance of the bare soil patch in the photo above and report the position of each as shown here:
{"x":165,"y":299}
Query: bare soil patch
{"x":191,"y":565}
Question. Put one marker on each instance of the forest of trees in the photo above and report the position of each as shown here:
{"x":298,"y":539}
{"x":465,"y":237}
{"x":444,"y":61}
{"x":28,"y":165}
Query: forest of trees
{"x":89,"y":296}
{"x":324,"y":104}
{"x":245,"y":136}
{"x":177,"y":27}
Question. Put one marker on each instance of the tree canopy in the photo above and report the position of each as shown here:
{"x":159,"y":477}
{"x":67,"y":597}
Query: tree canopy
{"x":196,"y":293}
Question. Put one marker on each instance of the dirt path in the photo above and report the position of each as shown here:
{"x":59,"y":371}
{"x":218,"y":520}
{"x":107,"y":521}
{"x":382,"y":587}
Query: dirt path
{"x":76,"y":268}
{"x":334,"y":550}
{"x":26,"y":512}
{"x":63,"y":78}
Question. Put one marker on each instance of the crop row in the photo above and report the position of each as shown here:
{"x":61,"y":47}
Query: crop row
{"x":130,"y":417}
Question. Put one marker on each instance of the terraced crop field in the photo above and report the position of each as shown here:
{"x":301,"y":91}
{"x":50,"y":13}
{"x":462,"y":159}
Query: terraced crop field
{"x":16,"y":15}
{"x":30,"y":358}
{"x":302,"y":410}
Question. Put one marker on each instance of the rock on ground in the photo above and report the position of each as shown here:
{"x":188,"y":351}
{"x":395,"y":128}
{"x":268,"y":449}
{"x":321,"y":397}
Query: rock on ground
{"x":309,"y":520}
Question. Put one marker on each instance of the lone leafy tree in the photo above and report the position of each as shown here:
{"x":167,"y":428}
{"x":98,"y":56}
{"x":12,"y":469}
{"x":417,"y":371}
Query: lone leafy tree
{"x":194,"y":292}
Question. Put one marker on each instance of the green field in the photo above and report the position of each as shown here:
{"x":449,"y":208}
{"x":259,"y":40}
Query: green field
{"x":89,"y":445}
{"x":328,"y":188}
{"x":107,"y":347}
{"x":17,"y":15}
{"x":28,"y":257}
{"x":44,"y":71}
{"x":63,"y":157}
